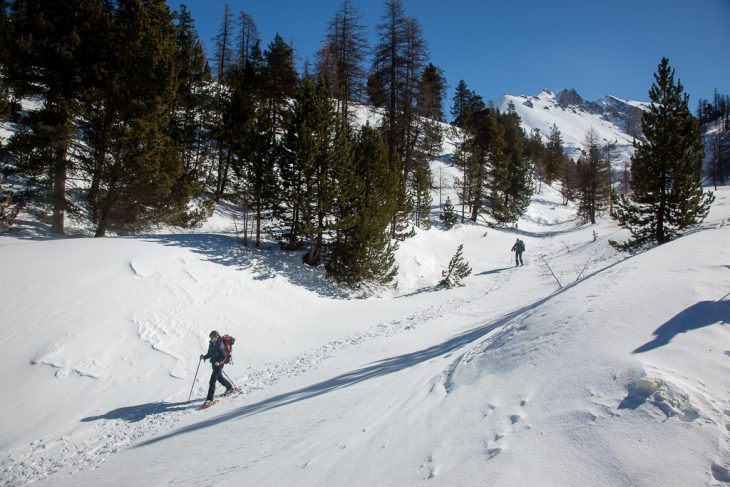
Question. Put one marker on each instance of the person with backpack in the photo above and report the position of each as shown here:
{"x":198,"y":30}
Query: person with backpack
{"x":218,"y":355}
{"x":518,"y":248}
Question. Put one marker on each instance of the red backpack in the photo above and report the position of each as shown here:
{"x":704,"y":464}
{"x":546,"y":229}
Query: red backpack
{"x":228,"y":341}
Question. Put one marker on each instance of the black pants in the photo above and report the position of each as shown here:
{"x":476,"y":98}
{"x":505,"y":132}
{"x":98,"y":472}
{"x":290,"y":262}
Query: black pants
{"x":217,"y":376}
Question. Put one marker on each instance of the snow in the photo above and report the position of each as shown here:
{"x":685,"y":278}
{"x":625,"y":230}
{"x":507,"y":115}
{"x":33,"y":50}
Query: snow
{"x":543,"y":111}
{"x":617,"y":378}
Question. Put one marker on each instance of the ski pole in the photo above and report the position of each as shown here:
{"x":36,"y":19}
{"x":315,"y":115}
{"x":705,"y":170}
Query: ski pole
{"x":230,"y":380}
{"x":194,"y":378}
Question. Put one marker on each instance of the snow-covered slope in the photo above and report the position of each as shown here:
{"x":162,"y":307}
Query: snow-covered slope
{"x":618,"y":378}
{"x":613,"y":120}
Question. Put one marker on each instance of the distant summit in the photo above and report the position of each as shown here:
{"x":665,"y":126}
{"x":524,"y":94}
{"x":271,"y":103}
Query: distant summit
{"x":614,"y":120}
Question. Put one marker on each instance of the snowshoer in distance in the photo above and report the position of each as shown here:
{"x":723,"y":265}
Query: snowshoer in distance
{"x":518,"y":248}
{"x":218,"y":355}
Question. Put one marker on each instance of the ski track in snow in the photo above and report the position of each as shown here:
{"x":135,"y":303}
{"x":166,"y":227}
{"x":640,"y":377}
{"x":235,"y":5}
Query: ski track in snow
{"x":88,"y":447}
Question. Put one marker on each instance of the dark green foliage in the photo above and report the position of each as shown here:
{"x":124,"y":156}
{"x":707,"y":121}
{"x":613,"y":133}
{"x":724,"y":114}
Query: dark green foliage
{"x":555,"y":155}
{"x":666,"y":169}
{"x":431,"y":89}
{"x":51,"y":55}
{"x":141,"y":181}
{"x":362,"y":252}
{"x":256,"y":167}
{"x":497,"y":170}
{"x":466,"y":103}
{"x":306,"y":167}
{"x":192,"y":100}
{"x":457,"y":270}
{"x":449,"y":217}
{"x":519,"y":169}
{"x":5,"y":38}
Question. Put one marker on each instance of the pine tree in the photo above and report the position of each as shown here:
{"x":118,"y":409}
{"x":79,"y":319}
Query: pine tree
{"x":257,"y":169}
{"x":431,"y":89}
{"x":363,"y":253}
{"x":519,"y":167}
{"x":307,"y":166}
{"x":666,"y":168}
{"x":142,"y":180}
{"x":280,"y":81}
{"x":465,"y":104}
{"x":192,"y":99}
{"x":5,"y":38}
{"x":457,"y":270}
{"x":555,"y":154}
{"x":449,"y":217}
{"x":422,"y":186}
{"x":51,"y":56}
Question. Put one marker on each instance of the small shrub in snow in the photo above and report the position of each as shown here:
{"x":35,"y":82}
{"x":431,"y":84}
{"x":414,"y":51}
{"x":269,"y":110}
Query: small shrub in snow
{"x":458,"y":269}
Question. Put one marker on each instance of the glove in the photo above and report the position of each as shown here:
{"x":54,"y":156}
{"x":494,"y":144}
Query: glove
{"x":217,"y":364}
{"x":202,"y":356}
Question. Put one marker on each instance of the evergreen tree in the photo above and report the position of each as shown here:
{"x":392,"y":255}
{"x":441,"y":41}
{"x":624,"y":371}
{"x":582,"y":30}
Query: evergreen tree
{"x":457,"y":270}
{"x":192,"y":99}
{"x":449,"y":216}
{"x":142,"y":180}
{"x":536,"y":152}
{"x":666,"y":168}
{"x":555,"y":154}
{"x":431,"y":89}
{"x":593,"y":188}
{"x":307,"y":166}
{"x":5,"y":38}
{"x":280,"y":81}
{"x":519,"y":169}
{"x":362,"y":253}
{"x":257,"y":168}
{"x":51,"y":56}
{"x":465,"y":104}
{"x":422,"y":195}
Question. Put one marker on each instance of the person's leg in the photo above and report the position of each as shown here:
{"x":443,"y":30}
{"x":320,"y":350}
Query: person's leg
{"x":214,"y":377}
{"x":224,"y":382}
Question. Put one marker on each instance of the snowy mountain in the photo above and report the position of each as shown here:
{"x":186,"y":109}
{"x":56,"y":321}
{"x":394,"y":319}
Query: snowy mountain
{"x":614,"y":120}
{"x":617,"y":378}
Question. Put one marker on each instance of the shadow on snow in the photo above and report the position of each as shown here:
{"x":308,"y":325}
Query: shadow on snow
{"x":133,"y":414}
{"x":699,"y":315}
{"x":377,"y":369}
{"x":265,"y":262}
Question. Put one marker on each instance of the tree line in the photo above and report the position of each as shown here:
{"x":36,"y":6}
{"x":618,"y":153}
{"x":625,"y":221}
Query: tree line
{"x":136,"y":128}
{"x":714,"y":116}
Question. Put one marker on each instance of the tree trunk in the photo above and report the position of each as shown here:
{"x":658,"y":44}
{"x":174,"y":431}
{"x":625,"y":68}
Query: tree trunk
{"x":59,"y":191}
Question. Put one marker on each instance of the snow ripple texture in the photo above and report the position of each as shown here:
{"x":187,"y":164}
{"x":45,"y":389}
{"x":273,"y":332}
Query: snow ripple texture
{"x":87,"y":448}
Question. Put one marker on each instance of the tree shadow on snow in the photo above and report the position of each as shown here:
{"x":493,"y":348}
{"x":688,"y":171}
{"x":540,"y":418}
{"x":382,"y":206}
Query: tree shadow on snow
{"x":699,"y":315}
{"x":265,"y":262}
{"x":133,"y":414}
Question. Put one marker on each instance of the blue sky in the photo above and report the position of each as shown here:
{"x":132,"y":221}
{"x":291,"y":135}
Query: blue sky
{"x":598,"y":47}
